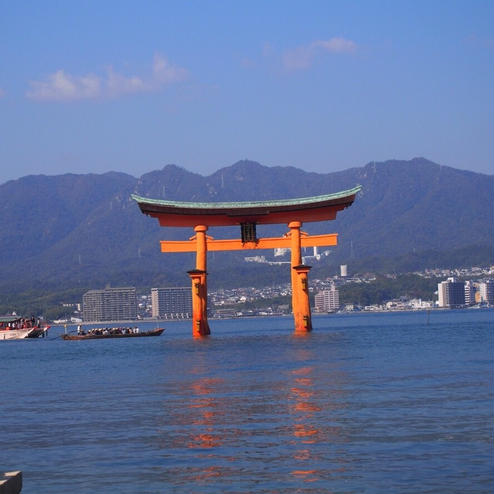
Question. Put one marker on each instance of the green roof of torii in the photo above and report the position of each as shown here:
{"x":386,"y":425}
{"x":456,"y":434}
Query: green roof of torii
{"x":182,"y":213}
{"x":300,"y":201}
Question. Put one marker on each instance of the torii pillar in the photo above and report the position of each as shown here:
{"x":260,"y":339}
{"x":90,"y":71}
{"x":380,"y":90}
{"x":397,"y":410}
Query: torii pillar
{"x":198,"y":276}
{"x":300,"y":283}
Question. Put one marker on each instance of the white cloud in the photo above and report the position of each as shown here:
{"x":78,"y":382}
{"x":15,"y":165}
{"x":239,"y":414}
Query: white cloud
{"x":336,"y":45}
{"x":164,"y":73}
{"x":117,"y":84}
{"x":61,"y":86}
{"x":303,"y":57}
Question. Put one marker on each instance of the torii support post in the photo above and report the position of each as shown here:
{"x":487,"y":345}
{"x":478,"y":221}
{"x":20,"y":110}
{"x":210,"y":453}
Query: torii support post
{"x":301,"y":312}
{"x":300,"y":282}
{"x":198,"y":276}
{"x":200,"y":326}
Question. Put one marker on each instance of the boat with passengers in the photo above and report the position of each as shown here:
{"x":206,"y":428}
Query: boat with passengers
{"x":14,"y":327}
{"x":107,"y":332}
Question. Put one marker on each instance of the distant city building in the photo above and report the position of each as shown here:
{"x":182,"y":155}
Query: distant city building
{"x":343,"y":270}
{"x":110,"y":304}
{"x":261,"y":259}
{"x":327,"y":300}
{"x":315,"y":256}
{"x":418,"y":304}
{"x":451,"y":293}
{"x":487,"y":292}
{"x":469,"y":293}
{"x":171,"y":303}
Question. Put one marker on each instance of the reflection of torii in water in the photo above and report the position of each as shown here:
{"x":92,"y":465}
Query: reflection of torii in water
{"x":293,"y":212}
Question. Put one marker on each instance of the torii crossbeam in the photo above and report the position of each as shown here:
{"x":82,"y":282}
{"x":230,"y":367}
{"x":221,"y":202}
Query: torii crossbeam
{"x":293,"y":212}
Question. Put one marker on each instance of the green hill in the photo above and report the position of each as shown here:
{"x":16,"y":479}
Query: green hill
{"x":70,"y":231}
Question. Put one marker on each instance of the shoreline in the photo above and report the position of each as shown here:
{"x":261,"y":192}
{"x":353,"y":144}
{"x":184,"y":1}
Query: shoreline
{"x":314,"y":314}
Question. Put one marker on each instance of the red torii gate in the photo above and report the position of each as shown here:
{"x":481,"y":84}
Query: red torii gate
{"x":202,"y":215}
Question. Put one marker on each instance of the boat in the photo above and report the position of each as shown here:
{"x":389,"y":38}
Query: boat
{"x":105,"y":333}
{"x":20,"y":328}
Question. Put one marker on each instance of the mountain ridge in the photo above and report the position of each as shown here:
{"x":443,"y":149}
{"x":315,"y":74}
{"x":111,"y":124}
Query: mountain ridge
{"x":85,"y":228}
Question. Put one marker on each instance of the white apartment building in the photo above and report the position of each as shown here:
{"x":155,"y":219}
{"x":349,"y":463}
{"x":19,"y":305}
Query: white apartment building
{"x":171,"y":303}
{"x":327,"y":300}
{"x":469,"y":293}
{"x":451,"y":293}
{"x":110,"y":304}
{"x":486,"y":290}
{"x":280,"y":251}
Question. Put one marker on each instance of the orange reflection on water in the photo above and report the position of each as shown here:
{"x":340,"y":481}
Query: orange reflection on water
{"x":304,"y":407}
{"x":311,"y":432}
{"x":305,"y":433}
{"x":302,"y":371}
{"x":205,"y":413}
{"x":302,"y":455}
{"x":304,"y":381}
{"x":303,"y":393}
{"x":208,"y":473}
{"x":207,"y":440}
{"x":205,"y":385}
{"x":306,"y":475}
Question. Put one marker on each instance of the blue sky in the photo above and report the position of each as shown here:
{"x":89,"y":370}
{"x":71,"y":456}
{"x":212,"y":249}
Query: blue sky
{"x":94,"y":86}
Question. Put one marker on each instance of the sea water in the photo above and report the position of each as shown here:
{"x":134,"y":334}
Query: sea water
{"x":366,"y":403}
